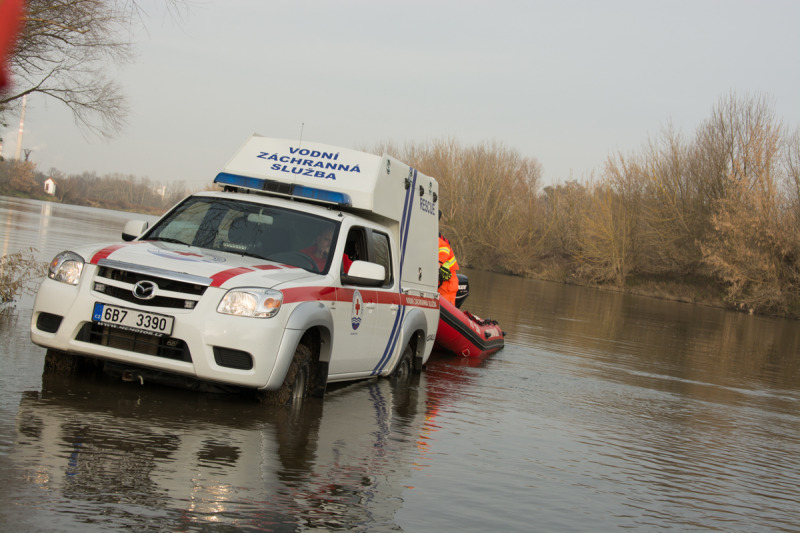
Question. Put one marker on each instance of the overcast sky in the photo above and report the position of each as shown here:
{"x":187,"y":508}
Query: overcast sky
{"x":565,"y":82}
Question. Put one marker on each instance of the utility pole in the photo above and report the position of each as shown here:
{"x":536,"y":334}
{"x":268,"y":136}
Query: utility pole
{"x":18,"y":153}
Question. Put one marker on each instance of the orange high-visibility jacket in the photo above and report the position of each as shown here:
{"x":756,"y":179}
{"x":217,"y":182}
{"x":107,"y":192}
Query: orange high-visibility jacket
{"x":447,"y":259}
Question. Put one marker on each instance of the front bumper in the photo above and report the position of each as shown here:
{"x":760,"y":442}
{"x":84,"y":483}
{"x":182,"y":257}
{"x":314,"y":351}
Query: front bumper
{"x":204,"y":344}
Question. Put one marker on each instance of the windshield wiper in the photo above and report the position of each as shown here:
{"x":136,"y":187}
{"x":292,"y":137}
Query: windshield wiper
{"x":170,"y":239}
{"x":249,"y":254}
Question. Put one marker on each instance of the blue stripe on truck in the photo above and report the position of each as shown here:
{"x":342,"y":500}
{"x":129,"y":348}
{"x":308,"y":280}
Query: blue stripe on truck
{"x":405,"y":222}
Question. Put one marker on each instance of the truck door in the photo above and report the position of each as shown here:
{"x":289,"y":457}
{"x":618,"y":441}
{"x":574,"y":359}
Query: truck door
{"x":357,"y":348}
{"x":387,"y":323}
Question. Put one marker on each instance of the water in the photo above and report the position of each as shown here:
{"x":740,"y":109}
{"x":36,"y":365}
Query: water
{"x":603,"y":411}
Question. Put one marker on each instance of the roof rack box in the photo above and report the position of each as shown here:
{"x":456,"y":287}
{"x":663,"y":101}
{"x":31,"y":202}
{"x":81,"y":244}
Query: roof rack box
{"x":357,"y":179}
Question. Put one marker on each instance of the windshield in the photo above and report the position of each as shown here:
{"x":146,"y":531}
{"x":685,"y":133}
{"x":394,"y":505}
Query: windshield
{"x":256,"y":230}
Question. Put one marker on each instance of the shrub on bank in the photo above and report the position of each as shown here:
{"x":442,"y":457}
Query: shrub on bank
{"x":18,"y":271}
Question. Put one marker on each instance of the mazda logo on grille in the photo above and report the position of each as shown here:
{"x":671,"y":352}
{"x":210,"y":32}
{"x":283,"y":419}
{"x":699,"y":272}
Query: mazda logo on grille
{"x":145,"y":290}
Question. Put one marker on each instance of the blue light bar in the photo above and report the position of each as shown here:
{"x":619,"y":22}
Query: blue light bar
{"x":284,"y":189}
{"x":322,"y":195}
{"x":239,"y":181}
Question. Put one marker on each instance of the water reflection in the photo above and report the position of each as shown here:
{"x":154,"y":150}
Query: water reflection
{"x":154,"y":458}
{"x":685,"y":348}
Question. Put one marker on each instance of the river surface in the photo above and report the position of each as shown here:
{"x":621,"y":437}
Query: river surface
{"x":602,"y":412}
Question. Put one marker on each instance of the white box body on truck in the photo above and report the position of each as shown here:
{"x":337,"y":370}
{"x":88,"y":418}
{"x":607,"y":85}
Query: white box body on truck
{"x":315,"y":264}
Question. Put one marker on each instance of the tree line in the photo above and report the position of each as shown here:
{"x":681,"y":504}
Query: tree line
{"x":711,"y":216}
{"x":112,"y":191}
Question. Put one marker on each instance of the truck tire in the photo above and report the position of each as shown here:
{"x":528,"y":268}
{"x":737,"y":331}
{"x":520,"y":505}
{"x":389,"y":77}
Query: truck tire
{"x":58,"y":363}
{"x":403,"y":369}
{"x":297,"y":383}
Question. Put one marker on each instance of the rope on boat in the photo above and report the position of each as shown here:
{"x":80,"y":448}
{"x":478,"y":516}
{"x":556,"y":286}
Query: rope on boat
{"x":481,"y":321}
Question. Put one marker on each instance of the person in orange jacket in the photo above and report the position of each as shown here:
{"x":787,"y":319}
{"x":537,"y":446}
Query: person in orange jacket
{"x":448,"y":266}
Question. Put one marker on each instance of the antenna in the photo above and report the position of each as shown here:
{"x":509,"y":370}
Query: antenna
{"x":302,"y":124}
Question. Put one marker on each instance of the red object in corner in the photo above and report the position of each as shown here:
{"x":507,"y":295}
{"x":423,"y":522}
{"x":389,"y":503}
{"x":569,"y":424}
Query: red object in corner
{"x":10,"y":21}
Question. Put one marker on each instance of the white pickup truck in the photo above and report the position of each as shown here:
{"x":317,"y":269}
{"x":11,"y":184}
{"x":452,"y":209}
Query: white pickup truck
{"x":314,"y":264}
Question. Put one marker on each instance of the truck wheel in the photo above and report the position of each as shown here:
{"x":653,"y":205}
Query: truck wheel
{"x":59,"y":363}
{"x":297,"y":383}
{"x":402,"y":371}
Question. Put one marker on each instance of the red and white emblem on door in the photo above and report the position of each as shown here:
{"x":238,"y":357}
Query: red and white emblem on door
{"x":358,"y":310}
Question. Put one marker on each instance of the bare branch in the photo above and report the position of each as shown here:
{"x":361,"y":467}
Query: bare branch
{"x":63,"y":50}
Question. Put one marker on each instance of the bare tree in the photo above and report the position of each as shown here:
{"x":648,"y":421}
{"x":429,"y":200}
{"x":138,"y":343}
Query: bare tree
{"x":670,"y":217}
{"x":564,"y":206}
{"x":63,"y":50}
{"x":17,"y":176}
{"x":610,"y":224}
{"x":791,"y":164}
{"x":754,"y":248}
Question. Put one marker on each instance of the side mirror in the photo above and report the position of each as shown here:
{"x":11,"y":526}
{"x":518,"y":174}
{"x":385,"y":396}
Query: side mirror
{"x":134,"y":228}
{"x":365,"y":273}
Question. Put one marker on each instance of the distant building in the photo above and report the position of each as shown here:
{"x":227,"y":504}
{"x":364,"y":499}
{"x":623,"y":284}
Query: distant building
{"x":50,"y":187}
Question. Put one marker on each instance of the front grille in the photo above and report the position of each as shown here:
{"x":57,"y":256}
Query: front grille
{"x":167,"y":347}
{"x":183,"y":294}
{"x":158,"y":301}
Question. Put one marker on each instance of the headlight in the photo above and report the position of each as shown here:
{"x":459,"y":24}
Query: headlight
{"x":66,"y":267}
{"x":251,"y":301}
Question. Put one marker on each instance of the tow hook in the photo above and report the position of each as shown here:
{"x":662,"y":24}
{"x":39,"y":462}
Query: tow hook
{"x":130,"y":375}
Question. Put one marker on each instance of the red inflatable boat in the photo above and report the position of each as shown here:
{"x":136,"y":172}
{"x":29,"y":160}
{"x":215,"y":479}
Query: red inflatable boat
{"x":464,"y":334}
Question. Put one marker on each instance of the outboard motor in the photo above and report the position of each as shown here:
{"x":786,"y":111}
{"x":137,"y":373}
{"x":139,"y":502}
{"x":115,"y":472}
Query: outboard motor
{"x":463,"y":289}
